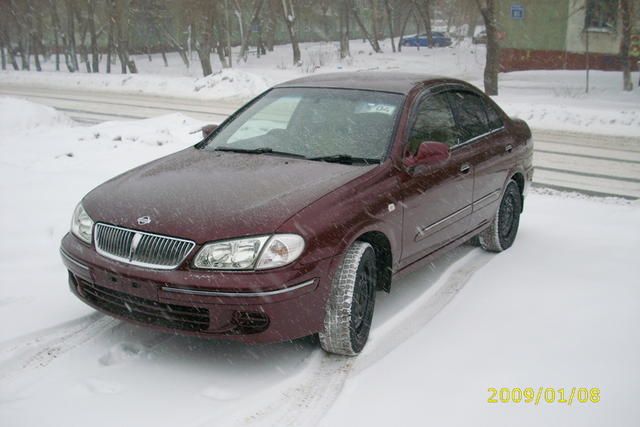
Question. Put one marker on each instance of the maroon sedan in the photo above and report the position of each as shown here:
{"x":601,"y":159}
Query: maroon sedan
{"x":285,"y":219}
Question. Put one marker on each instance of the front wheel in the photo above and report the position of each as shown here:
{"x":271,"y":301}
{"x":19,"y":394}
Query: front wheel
{"x":504,"y":227}
{"x":350,"y":306}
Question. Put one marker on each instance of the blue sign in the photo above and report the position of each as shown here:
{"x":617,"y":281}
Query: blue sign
{"x":517,"y":11}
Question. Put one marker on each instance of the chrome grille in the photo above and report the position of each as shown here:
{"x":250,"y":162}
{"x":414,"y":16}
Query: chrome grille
{"x":140,"y":248}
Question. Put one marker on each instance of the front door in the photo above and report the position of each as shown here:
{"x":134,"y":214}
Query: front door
{"x":436,"y":199}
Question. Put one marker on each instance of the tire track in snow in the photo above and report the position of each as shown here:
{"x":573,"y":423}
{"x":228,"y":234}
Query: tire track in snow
{"x":307,"y":400}
{"x":42,"y":348}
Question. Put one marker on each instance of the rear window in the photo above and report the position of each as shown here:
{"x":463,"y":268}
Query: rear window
{"x":493,"y":117}
{"x":470,"y":114}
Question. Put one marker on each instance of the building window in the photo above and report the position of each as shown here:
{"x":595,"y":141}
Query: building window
{"x":601,"y":15}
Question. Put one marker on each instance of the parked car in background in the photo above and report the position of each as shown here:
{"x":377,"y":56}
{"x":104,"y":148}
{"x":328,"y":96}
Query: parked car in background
{"x":480,"y":38}
{"x":287,"y":218}
{"x":439,"y":40}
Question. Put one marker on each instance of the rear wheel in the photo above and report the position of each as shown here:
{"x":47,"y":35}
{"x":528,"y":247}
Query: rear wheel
{"x":504,"y":227}
{"x":350,"y":306}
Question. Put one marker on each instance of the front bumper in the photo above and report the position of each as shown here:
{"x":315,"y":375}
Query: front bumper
{"x":271,"y":306}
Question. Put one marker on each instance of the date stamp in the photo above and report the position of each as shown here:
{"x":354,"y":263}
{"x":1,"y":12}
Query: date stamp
{"x":541,"y":395}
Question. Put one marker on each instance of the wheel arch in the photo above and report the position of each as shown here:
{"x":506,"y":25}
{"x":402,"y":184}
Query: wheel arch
{"x":518,"y":177}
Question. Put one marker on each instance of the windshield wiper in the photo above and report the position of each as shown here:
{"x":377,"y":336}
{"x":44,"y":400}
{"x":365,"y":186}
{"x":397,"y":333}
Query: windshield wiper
{"x":261,"y":150}
{"x":345,"y":159}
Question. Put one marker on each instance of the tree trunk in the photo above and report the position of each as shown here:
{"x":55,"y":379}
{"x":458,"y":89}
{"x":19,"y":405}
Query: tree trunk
{"x":203,"y":48}
{"x":373,"y":4}
{"x":71,"y":35}
{"x":492,"y":66}
{"x":389,"y":12}
{"x":17,"y":17}
{"x":405,"y":21}
{"x":272,"y":23}
{"x":5,"y":34}
{"x":122,"y":26}
{"x":95,"y":63}
{"x":344,"y":30}
{"x":35,"y":30}
{"x":626,"y":12}
{"x":36,"y":56}
{"x":373,"y":39}
{"x":243,"y":33}
{"x":289,"y":14}
{"x":227,"y":30}
{"x":84,"y":54}
{"x":7,"y":42}
{"x":426,"y":19}
{"x":110,"y":34}
{"x":258,"y":22}
{"x":55,"y":22}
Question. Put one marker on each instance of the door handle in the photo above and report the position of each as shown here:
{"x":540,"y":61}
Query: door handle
{"x":465,"y":168}
{"x":508,"y":148}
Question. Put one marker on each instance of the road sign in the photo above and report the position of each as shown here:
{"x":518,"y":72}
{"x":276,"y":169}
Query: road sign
{"x":517,"y":11}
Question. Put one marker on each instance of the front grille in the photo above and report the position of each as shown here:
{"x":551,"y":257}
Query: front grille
{"x":140,"y":248}
{"x":143,"y":310}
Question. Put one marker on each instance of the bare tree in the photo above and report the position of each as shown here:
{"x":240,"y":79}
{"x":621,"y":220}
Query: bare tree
{"x":344,"y":29}
{"x":95,"y":63}
{"x":424,"y":11}
{"x":224,"y":36}
{"x":272,"y":22}
{"x":34,"y":31}
{"x":4,"y":35}
{"x":243,"y":33}
{"x":84,"y":26}
{"x":492,"y":65}
{"x":372,"y":37}
{"x":255,"y":22}
{"x":405,"y":21}
{"x":289,"y":14}
{"x":121,"y":15}
{"x":55,"y":24}
{"x":389,"y":13}
{"x":626,"y":12}
{"x":2,"y":55}
{"x":206,"y":12}
{"x":72,"y":64}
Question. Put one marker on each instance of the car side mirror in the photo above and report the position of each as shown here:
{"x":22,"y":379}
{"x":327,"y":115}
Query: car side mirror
{"x":429,"y":153}
{"x":208,"y":130}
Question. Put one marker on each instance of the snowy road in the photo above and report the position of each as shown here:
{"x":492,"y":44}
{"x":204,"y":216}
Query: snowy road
{"x":600,"y":165}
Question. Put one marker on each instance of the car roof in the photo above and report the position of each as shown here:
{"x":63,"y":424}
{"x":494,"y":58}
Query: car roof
{"x":397,"y":82}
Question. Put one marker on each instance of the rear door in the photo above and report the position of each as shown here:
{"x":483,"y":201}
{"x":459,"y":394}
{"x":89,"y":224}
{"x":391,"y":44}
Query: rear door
{"x":485,"y":135}
{"x":436,"y":199}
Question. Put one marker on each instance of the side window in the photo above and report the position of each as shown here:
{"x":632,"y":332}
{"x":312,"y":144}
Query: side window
{"x":495,"y":121}
{"x":470,"y":114}
{"x":434,"y":122}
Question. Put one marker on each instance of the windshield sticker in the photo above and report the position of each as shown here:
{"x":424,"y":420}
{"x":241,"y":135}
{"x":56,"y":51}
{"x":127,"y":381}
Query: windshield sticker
{"x":371,"y":107}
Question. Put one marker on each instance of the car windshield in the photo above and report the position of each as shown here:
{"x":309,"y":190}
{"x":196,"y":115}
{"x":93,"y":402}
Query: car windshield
{"x":315,"y":123}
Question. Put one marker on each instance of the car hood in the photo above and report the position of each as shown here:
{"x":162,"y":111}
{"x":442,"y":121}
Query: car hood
{"x":203,"y":195}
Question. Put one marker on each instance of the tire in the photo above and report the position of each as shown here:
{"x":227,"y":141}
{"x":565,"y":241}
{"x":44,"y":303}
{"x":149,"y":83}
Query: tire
{"x":504,"y":227}
{"x":351,"y":302}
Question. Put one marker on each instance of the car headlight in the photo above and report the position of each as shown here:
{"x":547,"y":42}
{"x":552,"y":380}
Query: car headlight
{"x":248,"y":253}
{"x":82,"y":224}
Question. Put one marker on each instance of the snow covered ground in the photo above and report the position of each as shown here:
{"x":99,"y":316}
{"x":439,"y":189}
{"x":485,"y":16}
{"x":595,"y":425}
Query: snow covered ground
{"x":561,"y":308}
{"x":546,"y":99}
